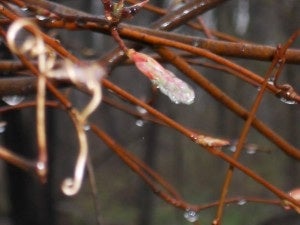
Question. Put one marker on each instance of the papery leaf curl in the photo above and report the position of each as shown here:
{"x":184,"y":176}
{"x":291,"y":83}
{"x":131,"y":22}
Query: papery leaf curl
{"x":176,"y":89}
{"x":80,"y":74}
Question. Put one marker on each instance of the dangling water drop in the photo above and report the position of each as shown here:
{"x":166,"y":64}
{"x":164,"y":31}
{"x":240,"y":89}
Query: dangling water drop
{"x":202,"y":3}
{"x":139,"y":123}
{"x":40,"y":17}
{"x":40,"y":166}
{"x":251,"y":149}
{"x":232,"y":148}
{"x":2,"y":126}
{"x":24,"y":9}
{"x":242,"y":202}
{"x":13,"y":99}
{"x":271,"y":80}
{"x":164,"y":25}
{"x":288,"y":101}
{"x":191,"y":216}
{"x":86,"y":127}
{"x":141,"y":110}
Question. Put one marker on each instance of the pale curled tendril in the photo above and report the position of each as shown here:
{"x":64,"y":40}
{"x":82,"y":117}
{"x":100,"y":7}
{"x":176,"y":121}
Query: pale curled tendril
{"x":34,"y":47}
{"x":89,"y":75}
{"x":72,"y":185}
{"x":86,"y":74}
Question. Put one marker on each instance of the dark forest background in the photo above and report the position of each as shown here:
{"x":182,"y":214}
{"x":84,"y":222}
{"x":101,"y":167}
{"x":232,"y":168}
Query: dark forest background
{"x":123,"y":197}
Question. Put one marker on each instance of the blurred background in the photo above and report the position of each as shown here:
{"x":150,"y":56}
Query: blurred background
{"x":123,"y":197}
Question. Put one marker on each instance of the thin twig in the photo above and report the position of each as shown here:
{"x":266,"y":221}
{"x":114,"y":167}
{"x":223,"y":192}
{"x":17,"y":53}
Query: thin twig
{"x":226,"y":100}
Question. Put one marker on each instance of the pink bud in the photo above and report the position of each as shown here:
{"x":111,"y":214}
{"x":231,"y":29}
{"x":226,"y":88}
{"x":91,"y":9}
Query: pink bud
{"x":177,"y":90}
{"x":295,"y":194}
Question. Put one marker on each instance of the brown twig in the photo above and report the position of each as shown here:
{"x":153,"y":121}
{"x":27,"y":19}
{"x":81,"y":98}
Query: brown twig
{"x":242,"y":140}
{"x":226,"y":100}
{"x":67,"y":18}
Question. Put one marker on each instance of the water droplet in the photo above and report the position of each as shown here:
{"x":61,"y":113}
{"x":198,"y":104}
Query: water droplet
{"x":13,"y":99}
{"x":41,"y":17}
{"x":185,"y":12}
{"x":195,"y":43}
{"x":141,"y":110}
{"x":251,"y":149}
{"x":40,"y":166}
{"x":191,"y":216}
{"x":202,"y":3}
{"x":242,"y":202}
{"x":2,"y":126}
{"x":232,"y":148}
{"x":271,"y":80}
{"x":24,"y":9}
{"x":288,"y":101}
{"x":164,"y":25}
{"x":87,"y":127}
{"x":139,"y":123}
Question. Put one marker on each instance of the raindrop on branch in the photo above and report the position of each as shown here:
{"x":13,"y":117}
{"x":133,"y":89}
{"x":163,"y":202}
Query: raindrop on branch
{"x":86,"y":127}
{"x":139,"y":123}
{"x":242,"y":202}
{"x":41,"y":18}
{"x":141,"y":110}
{"x":191,"y":216}
{"x":232,"y":148}
{"x":40,"y":166}
{"x":24,"y":9}
{"x":164,"y":25}
{"x":288,"y":101}
{"x":251,"y":148}
{"x":13,"y":99}
{"x":271,"y":80}
{"x":202,"y":3}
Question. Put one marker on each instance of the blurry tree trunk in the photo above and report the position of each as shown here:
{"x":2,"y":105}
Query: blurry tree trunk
{"x":292,"y":166}
{"x":30,"y":200}
{"x":226,"y":120}
{"x":145,"y":197}
{"x":290,"y":218}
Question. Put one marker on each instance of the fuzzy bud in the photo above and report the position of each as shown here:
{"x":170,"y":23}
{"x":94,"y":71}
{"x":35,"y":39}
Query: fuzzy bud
{"x":176,"y":89}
